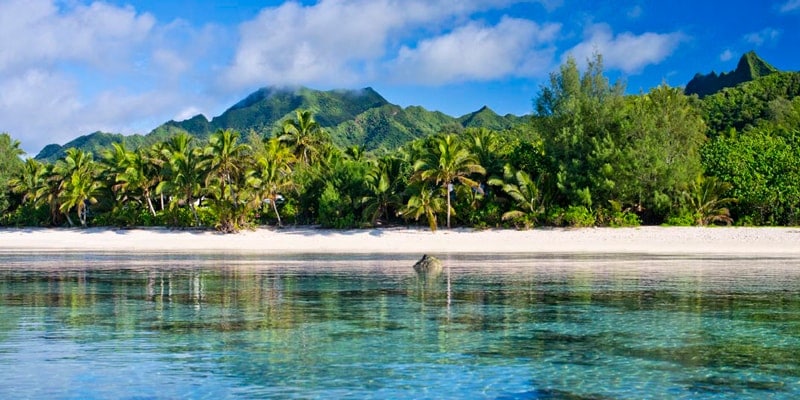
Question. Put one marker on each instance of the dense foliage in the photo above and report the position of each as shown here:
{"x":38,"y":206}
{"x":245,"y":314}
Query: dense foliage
{"x":588,"y":156}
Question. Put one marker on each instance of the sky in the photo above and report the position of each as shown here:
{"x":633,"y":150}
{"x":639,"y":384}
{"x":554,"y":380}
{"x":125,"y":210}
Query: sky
{"x":72,"y":67}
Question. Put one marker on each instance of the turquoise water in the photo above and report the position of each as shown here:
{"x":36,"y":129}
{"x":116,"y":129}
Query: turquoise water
{"x":166,"y":326}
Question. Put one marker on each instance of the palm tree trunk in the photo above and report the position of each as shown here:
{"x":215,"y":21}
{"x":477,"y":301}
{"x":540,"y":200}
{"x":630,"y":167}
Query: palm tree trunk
{"x":150,"y":203}
{"x":69,"y":219}
{"x":447,"y":186}
{"x":190,"y":200}
{"x":194,"y":212}
{"x":82,"y":215}
{"x":275,"y":208}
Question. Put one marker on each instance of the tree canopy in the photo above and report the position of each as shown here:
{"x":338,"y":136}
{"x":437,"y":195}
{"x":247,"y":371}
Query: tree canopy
{"x":590,"y":155}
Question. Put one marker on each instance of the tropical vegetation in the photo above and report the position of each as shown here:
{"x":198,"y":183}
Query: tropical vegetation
{"x":589,"y":155}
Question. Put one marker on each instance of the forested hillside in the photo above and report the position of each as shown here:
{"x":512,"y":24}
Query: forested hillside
{"x":352,"y":117}
{"x":589,"y":155}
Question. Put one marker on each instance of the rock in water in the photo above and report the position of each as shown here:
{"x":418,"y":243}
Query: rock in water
{"x":428,"y":265}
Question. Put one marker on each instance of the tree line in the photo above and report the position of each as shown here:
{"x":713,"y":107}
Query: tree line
{"x":589,"y":156}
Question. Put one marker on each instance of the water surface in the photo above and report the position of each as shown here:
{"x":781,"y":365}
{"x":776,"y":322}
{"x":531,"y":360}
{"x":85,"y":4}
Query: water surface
{"x":164,"y":326}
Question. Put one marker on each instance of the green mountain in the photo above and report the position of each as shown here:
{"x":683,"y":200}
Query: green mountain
{"x":353,"y":117}
{"x":487,"y":118}
{"x":750,"y":67}
{"x":265,"y":108}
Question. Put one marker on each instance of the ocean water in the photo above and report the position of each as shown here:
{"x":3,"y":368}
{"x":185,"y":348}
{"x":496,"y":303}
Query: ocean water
{"x":559,"y":326}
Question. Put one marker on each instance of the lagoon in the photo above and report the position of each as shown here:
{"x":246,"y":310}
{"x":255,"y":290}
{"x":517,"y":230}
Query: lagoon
{"x":550,"y":326}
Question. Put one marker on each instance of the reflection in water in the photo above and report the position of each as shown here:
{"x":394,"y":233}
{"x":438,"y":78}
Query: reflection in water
{"x":166,"y":326}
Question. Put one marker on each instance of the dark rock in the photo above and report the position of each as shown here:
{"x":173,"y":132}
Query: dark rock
{"x":428,"y":265}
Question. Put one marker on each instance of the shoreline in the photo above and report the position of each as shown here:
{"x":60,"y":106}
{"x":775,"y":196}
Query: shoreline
{"x":654,"y":240}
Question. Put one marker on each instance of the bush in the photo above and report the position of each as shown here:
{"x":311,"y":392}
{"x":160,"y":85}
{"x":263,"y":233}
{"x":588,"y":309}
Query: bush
{"x":684,"y":218}
{"x":334,"y":212}
{"x":579,"y":217}
{"x":616,"y":217}
{"x":27,"y":215}
{"x":554,"y":216}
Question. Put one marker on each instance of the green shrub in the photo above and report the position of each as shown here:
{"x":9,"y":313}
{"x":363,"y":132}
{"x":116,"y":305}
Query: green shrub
{"x":27,"y":215}
{"x":579,"y":217}
{"x":683,"y":218}
{"x":335,"y":212}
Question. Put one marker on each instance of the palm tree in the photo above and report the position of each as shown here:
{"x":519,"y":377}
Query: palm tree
{"x":79,"y":184}
{"x":304,"y":134}
{"x":446,"y":162}
{"x":49,"y":192}
{"x":525,"y":193}
{"x":355,"y":152}
{"x":381,"y":183}
{"x":29,"y":182}
{"x":130,"y":174}
{"x":485,"y":144}
{"x":705,"y":198}
{"x":184,"y":172}
{"x":423,"y":202}
{"x":273,"y":174}
{"x":226,"y":171}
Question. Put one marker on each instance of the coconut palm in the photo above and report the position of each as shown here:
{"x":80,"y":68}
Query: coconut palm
{"x":424,"y":202}
{"x":130,"y":175}
{"x":485,"y":144}
{"x":79,"y":184}
{"x":224,"y":157}
{"x":184,"y":172}
{"x":158,"y":158}
{"x":49,"y":192}
{"x":381,"y":183}
{"x":29,"y":182}
{"x":304,"y":135}
{"x":444,"y":162}
{"x":525,"y":193}
{"x":272,"y":176}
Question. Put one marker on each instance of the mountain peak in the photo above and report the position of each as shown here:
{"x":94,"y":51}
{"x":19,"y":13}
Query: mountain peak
{"x":750,"y":67}
{"x":754,"y":66}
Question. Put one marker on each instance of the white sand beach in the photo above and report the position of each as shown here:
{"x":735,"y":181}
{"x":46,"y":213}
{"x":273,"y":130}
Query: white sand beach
{"x":761,"y":242}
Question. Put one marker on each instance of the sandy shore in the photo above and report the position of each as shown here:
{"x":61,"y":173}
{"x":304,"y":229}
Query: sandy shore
{"x":775,"y":242}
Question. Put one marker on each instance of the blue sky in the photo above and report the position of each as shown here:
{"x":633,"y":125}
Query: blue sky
{"x":71,"y":67}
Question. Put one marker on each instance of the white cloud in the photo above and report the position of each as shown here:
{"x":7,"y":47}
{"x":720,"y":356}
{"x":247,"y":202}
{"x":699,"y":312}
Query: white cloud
{"x":626,"y":51}
{"x":726,"y":55}
{"x":338,"y":42}
{"x":37,"y":32}
{"x":514,"y":47}
{"x":67,"y":69}
{"x":187,"y":113}
{"x":764,"y":36}
{"x":790,"y":5}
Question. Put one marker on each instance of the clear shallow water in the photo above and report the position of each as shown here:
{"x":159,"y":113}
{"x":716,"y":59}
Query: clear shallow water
{"x":167,"y":326}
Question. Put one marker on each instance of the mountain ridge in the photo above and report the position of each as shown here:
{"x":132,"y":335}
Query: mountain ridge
{"x":360,"y":117}
{"x":750,"y":67}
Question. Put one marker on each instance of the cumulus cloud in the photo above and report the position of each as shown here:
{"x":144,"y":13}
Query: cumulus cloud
{"x":477,"y":52}
{"x":68,"y":69}
{"x":726,"y":55}
{"x":338,"y":42}
{"x":764,"y":36}
{"x":38,"y":32}
{"x":626,"y":51}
